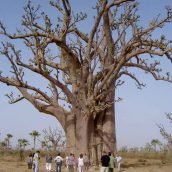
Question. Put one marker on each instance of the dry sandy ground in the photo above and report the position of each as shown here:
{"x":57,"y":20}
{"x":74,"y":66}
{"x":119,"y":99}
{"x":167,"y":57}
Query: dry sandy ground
{"x":22,"y":167}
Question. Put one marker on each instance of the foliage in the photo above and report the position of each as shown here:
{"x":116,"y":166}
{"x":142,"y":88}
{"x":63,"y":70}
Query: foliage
{"x":154,"y":143}
{"x":34,"y":134}
{"x":22,"y":143}
{"x":9,"y":136}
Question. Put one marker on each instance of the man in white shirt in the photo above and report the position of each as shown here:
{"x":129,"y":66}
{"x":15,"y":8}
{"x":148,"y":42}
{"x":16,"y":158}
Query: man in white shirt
{"x":36,"y":161}
{"x":119,"y":161}
{"x":58,"y":159}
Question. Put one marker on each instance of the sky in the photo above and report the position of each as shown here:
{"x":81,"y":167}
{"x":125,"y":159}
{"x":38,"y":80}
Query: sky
{"x":137,"y":115}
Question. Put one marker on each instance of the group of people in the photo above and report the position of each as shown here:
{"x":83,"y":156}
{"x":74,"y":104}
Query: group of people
{"x":109,"y":162}
{"x":81,"y":163}
{"x":33,"y":161}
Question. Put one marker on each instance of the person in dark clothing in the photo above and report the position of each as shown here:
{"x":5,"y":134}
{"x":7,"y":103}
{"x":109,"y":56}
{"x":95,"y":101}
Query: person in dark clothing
{"x":30,"y":161}
{"x":105,"y":162}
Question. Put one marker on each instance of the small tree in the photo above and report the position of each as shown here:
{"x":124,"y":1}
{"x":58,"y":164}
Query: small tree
{"x":9,"y":136}
{"x":148,"y":147}
{"x":43,"y":144}
{"x":54,"y":137}
{"x":22,"y":143}
{"x":34,"y":134}
{"x":167,"y":136}
{"x":3,"y":144}
{"x":155,"y":143}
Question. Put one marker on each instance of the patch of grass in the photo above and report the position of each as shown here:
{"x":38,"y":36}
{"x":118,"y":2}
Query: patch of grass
{"x":167,"y":156}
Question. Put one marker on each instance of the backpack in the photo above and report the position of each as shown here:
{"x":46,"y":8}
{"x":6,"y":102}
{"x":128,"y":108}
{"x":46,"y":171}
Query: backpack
{"x":58,"y":160}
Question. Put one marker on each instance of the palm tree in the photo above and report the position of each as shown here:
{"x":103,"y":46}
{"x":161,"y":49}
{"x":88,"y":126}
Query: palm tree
{"x":154,"y":143}
{"x":22,"y":143}
{"x":9,"y":136}
{"x":19,"y":143}
{"x":34,"y":134}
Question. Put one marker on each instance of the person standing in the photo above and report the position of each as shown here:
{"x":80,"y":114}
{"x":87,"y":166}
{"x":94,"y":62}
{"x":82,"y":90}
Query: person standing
{"x":36,"y":159}
{"x":58,"y":159}
{"x":67,"y":162}
{"x":71,"y":163}
{"x":48,"y":162}
{"x":30,"y":161}
{"x":81,"y":163}
{"x":86,"y":162}
{"x":104,"y":162}
{"x":118,"y":161}
{"x":111,"y":162}
{"x":75,"y":161}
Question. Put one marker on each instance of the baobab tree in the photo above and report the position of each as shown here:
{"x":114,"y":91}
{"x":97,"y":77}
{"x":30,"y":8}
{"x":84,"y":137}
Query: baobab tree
{"x":54,"y":137}
{"x":82,"y":69}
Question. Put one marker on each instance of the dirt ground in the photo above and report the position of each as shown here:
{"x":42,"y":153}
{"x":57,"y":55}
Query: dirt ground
{"x":22,"y":167}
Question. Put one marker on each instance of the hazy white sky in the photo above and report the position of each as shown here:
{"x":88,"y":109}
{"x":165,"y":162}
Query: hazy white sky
{"x":136,"y":116}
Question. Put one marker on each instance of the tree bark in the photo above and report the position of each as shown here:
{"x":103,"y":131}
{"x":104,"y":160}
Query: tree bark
{"x":70,"y":133}
{"x":109,"y":137}
{"x":109,"y":130}
{"x":82,"y":134}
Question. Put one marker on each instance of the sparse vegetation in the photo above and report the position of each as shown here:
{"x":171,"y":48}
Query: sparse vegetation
{"x":167,"y":136}
{"x":52,"y":139}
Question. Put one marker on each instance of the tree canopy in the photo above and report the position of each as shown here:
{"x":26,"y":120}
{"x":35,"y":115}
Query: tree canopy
{"x":82,"y":70}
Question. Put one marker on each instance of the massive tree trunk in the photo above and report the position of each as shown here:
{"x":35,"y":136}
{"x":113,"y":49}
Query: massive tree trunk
{"x":88,"y":135}
{"x":109,"y":134}
{"x":105,"y":130}
{"x":82,"y":134}
{"x":70,"y":133}
{"x":91,"y":134}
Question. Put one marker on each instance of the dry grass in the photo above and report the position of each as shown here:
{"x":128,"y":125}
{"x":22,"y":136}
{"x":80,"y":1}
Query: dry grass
{"x":10,"y":162}
{"x":22,"y":167}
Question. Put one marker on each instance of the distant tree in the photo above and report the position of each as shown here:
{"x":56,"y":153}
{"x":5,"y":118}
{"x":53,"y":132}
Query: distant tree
{"x":34,"y":134}
{"x":148,"y":147}
{"x":167,"y":136}
{"x":54,"y":137}
{"x":9,"y":136}
{"x":155,"y":143}
{"x":3,"y":144}
{"x":6,"y":141}
{"x":25,"y":143}
{"x":43,"y":144}
{"x":22,"y":143}
{"x":82,"y":68}
{"x":19,"y":143}
{"x":124,"y":149}
{"x":134,"y":149}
